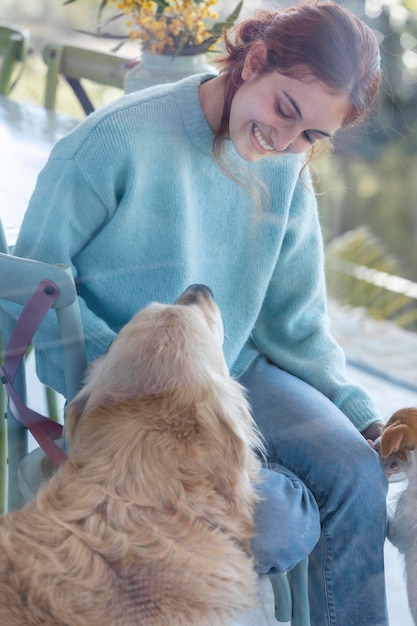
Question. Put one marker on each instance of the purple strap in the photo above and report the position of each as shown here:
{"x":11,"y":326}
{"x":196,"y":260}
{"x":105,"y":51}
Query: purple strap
{"x":43,"y":429}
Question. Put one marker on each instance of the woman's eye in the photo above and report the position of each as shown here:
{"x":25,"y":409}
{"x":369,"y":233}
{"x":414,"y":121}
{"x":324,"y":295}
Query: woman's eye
{"x":282,"y":113}
{"x":308,"y":138}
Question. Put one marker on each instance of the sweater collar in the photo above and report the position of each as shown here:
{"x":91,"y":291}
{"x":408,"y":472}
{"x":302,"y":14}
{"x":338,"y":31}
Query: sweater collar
{"x":195,"y":123}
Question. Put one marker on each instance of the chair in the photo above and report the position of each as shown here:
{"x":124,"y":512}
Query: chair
{"x":75,"y":63}
{"x":39,"y":287}
{"x":14,"y":49}
{"x":291,"y":595}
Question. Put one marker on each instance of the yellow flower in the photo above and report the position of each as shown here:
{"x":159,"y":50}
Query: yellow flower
{"x":170,"y":26}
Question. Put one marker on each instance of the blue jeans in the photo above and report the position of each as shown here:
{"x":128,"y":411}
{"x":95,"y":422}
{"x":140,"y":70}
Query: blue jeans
{"x":329,"y":498}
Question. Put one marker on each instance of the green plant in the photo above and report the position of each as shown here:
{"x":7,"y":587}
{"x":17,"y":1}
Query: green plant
{"x":361,"y":273}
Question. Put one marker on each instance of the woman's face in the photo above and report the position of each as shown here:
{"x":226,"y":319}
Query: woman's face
{"x":272,"y":114}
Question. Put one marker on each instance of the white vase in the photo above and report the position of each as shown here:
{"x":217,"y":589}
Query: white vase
{"x":154,"y":69}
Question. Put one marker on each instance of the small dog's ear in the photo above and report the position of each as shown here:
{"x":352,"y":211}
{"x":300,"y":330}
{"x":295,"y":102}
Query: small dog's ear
{"x":396,"y":438}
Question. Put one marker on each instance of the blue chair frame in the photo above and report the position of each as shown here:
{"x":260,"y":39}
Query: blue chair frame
{"x":19,"y":280}
{"x":291,"y":595}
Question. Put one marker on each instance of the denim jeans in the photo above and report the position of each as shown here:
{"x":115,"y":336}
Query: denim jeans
{"x":329,"y":498}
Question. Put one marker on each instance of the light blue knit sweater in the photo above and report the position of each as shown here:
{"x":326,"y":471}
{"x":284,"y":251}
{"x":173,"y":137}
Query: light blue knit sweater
{"x":134,"y":201}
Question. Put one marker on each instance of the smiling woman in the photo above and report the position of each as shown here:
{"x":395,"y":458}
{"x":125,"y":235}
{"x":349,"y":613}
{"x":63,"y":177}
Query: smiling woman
{"x":332,"y":53}
{"x":135,"y":202}
{"x":272,"y":112}
{"x":291,"y":114}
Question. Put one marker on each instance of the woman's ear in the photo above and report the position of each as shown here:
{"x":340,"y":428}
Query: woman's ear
{"x":255,"y":61}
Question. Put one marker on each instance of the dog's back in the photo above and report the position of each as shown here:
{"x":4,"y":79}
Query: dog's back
{"x":56,"y":574}
{"x":48,"y":575}
{"x":402,"y":532}
{"x":399,"y":449}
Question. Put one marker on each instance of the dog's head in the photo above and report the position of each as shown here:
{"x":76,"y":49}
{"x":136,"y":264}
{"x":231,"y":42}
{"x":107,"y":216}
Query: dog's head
{"x":153,"y":353}
{"x":399,"y":439}
{"x":161,"y":402}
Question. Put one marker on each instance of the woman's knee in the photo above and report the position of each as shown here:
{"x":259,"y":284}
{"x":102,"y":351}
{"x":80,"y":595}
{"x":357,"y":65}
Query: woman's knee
{"x":355,"y":493}
{"x":287,"y":522}
{"x":368,"y":481}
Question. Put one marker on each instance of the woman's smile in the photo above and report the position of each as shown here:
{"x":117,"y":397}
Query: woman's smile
{"x":261,"y":139}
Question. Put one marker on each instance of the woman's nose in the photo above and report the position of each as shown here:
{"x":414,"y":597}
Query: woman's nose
{"x":283,"y":139}
{"x":289,"y":141}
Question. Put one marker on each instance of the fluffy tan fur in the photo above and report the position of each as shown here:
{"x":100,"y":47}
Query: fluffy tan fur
{"x":149,"y":520}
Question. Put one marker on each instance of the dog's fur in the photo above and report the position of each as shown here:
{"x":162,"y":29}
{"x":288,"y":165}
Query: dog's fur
{"x":398,"y":447}
{"x":148,"y":522}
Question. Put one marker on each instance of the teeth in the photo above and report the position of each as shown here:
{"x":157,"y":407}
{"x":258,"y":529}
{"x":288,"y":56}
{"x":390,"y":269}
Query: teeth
{"x":261,"y":140}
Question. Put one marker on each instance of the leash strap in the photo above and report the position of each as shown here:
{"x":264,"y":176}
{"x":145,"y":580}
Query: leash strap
{"x":43,"y":429}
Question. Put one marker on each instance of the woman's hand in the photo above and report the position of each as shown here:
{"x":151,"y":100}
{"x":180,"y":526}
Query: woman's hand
{"x":371,"y":434}
{"x":373,"y":431}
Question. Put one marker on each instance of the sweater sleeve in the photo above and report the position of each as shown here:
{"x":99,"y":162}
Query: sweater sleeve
{"x":64,"y":213}
{"x":292,"y":329}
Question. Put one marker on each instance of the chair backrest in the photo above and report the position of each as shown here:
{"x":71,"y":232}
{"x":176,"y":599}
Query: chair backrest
{"x":75,"y":63}
{"x":14,"y":49}
{"x":38,"y":287}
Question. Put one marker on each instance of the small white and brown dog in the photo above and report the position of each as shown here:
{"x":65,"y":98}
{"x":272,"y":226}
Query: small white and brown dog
{"x":398,"y":448}
{"x":148,"y":521}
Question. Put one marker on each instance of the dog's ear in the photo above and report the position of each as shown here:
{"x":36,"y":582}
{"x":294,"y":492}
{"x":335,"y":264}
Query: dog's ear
{"x":230,"y":451}
{"x":397,"y":437}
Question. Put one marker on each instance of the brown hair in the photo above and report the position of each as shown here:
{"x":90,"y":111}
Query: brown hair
{"x":320,"y":38}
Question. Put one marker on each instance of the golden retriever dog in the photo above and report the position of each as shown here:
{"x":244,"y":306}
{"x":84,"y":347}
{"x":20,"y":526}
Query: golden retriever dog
{"x":148,"y":521}
{"x":398,"y":447}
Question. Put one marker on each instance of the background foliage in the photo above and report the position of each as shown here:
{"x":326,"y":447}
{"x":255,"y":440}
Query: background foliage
{"x":371,"y":177}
